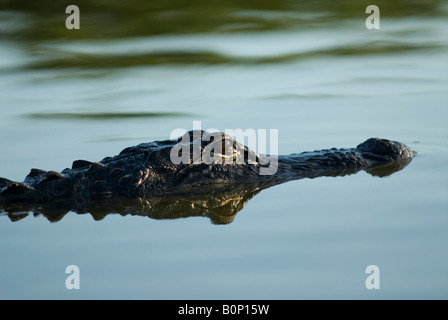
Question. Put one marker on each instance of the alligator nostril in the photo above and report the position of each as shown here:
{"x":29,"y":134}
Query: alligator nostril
{"x":384,"y":147}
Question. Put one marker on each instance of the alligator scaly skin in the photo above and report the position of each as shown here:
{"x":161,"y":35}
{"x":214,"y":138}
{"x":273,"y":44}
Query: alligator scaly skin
{"x":146,"y":173}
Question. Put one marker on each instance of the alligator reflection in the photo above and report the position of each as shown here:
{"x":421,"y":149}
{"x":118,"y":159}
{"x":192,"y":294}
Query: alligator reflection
{"x":221,"y":206}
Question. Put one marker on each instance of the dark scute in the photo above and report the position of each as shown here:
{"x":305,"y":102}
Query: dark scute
{"x":52,"y":176}
{"x":4,"y":182}
{"x":81,"y":164}
{"x":95,"y":166}
{"x":36,"y":173}
{"x":17,"y":188}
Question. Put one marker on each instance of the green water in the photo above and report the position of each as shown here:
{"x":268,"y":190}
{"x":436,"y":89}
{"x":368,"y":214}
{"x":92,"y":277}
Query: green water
{"x":136,"y":71}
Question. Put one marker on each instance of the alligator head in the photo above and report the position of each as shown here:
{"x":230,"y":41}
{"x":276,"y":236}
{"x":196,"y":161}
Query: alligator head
{"x":198,"y":174}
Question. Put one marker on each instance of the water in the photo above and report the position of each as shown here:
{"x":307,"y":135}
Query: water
{"x":314,"y":73}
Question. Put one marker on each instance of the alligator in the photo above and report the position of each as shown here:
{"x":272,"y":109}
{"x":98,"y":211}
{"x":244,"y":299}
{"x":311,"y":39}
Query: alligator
{"x":144,"y":179}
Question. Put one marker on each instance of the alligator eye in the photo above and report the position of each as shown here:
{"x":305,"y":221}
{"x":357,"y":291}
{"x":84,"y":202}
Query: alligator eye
{"x":115,"y":172}
{"x":125,"y":179}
